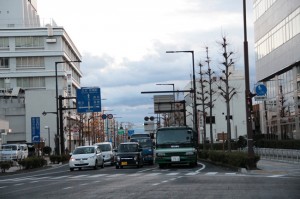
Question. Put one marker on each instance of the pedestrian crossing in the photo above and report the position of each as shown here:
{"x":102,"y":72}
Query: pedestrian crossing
{"x":113,"y":176}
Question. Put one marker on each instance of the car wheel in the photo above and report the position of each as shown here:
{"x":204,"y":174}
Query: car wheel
{"x":79,"y":168}
{"x":102,"y":165}
{"x":71,"y":169}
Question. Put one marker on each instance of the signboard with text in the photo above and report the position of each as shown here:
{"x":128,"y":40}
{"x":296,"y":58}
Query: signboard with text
{"x":35,"y":129}
{"x":88,"y":99}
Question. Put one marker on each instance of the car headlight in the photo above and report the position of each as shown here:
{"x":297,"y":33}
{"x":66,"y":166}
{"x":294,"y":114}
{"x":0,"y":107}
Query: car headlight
{"x":160,"y":154}
{"x":118,"y":158}
{"x":136,"y":158}
{"x":72,"y":159}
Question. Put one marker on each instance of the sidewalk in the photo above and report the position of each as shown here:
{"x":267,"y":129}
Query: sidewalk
{"x":274,"y":167}
{"x":16,"y":167}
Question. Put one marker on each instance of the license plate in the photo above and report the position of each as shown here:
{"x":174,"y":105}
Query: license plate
{"x":175,"y":158}
{"x":123,"y":163}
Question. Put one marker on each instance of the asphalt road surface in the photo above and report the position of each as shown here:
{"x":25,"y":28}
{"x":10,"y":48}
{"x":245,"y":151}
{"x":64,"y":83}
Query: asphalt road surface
{"x":203,"y":181}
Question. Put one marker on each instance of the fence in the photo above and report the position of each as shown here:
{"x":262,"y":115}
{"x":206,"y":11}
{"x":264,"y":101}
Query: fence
{"x":288,"y":155}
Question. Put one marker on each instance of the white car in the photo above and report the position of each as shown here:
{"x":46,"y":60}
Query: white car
{"x":107,"y":152}
{"x":10,"y":152}
{"x":86,"y":156}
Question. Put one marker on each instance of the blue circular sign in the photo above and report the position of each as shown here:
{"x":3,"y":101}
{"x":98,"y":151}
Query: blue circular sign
{"x":261,"y":90}
{"x":104,"y":116}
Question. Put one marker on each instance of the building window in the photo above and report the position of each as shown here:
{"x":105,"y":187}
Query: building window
{"x":30,"y":62}
{"x":29,"y":42}
{"x":280,"y":34}
{"x":31,"y":82}
{"x":4,"y":42}
{"x":4,"y":62}
{"x":261,"y":6}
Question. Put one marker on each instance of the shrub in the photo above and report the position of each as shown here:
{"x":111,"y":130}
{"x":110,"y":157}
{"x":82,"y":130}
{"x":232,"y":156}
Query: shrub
{"x":47,"y":150}
{"x":5,"y":165}
{"x":32,"y":162}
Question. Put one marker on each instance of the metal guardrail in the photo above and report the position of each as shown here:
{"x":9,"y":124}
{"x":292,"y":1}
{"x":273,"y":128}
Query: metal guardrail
{"x":287,"y":155}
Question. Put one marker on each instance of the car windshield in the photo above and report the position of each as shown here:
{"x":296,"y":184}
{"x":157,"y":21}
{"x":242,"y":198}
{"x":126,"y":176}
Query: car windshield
{"x":9,"y":147}
{"x":128,"y":148}
{"x":84,"y":150}
{"x":145,"y":142}
{"x":105,"y":147}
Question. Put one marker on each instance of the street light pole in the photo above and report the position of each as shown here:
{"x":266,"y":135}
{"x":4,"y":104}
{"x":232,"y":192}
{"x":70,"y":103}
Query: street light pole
{"x":57,"y":107}
{"x":194,"y":87}
{"x":248,"y":94}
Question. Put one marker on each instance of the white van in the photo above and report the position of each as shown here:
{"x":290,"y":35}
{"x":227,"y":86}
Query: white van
{"x":10,"y":152}
{"x":24,"y":149}
{"x":107,"y":152}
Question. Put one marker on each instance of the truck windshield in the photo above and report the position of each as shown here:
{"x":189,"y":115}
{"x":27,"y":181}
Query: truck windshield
{"x":9,"y":147}
{"x":174,"y":136}
{"x":144,"y":142}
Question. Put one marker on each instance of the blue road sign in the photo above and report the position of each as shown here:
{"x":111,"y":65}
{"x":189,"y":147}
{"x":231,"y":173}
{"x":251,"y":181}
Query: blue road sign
{"x":130,"y":132}
{"x":88,"y":99}
{"x":261,"y":90}
{"x":35,"y":129}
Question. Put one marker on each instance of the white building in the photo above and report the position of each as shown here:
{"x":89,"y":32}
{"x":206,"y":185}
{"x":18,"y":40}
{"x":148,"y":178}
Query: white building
{"x":29,"y":50}
{"x":237,"y":110}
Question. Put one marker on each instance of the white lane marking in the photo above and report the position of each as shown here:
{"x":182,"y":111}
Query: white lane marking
{"x":191,"y":173}
{"x":83,"y":184}
{"x":211,"y":173}
{"x":275,"y":176}
{"x":68,"y":188}
{"x":55,"y":178}
{"x":34,"y":181}
{"x":172,"y":174}
{"x":230,"y":173}
{"x":203,"y":167}
{"x":98,"y":175}
{"x":135,"y":174}
{"x":79,"y":176}
{"x":115,"y":175}
{"x":3,"y":187}
{"x":155,"y":184}
{"x":19,"y":184}
{"x":164,"y":181}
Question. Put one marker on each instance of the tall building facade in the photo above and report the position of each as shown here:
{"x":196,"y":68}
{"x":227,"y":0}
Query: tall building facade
{"x":30,"y":51}
{"x":277,"y":39}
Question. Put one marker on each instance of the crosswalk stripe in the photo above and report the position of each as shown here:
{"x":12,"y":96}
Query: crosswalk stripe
{"x":275,"y":176}
{"x":191,"y":173}
{"x":79,"y":176}
{"x":172,"y":174}
{"x":56,"y":178}
{"x":99,"y":175}
{"x":230,"y":173}
{"x":153,"y":174}
{"x":211,"y":173}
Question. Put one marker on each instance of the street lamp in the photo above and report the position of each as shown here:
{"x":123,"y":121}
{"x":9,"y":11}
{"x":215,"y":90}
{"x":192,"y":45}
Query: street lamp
{"x":173,"y":114}
{"x":248,"y":94}
{"x":194,"y":87}
{"x":57,"y":118}
{"x":48,"y":127}
{"x":56,"y":135}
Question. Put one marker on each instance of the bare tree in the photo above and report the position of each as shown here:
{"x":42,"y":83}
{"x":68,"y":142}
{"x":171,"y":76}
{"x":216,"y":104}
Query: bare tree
{"x":226,"y":90}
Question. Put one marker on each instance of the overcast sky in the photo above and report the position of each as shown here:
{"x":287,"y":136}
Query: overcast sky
{"x":123,"y":44}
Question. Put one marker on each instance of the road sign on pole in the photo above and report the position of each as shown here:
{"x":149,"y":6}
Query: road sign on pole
{"x":88,"y":99}
{"x":35,"y":129}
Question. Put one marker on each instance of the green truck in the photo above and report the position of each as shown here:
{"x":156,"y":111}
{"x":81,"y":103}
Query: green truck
{"x":176,"y":145}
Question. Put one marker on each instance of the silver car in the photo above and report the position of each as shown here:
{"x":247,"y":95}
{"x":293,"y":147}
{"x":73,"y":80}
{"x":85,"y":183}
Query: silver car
{"x":86,"y":156}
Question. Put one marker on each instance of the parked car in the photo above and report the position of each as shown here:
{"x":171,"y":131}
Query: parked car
{"x":86,"y":156}
{"x":107,"y":152}
{"x":10,"y":152}
{"x":129,"y":154}
{"x":24,"y":150}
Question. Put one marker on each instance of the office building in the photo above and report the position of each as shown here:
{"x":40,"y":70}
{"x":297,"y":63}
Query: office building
{"x":277,"y":38}
{"x":30,"y":48}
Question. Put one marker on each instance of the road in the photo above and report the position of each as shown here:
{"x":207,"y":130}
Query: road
{"x":203,"y":181}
